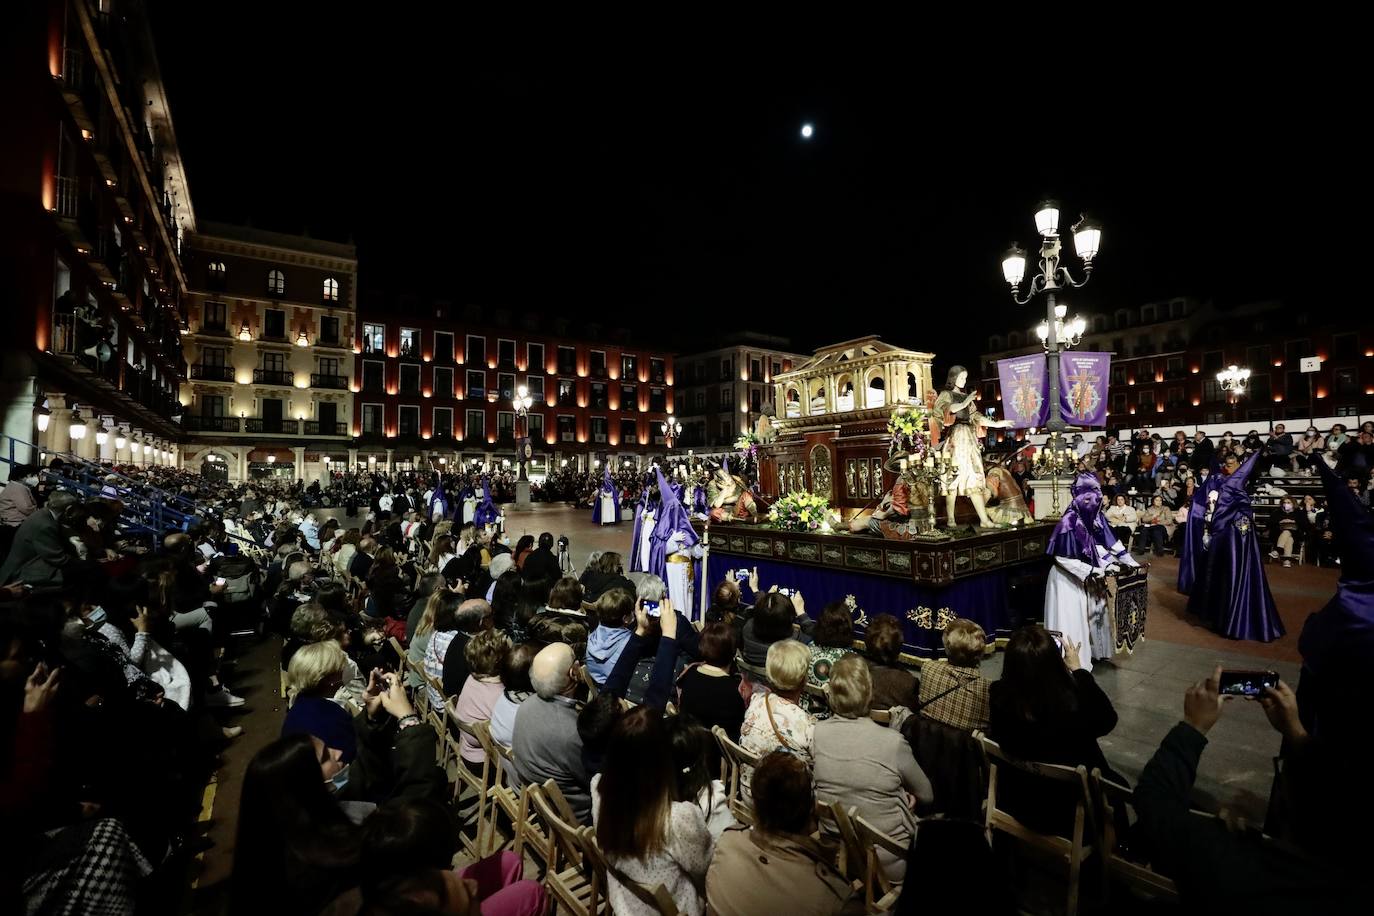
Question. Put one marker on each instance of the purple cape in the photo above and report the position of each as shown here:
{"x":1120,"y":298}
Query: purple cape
{"x":440,"y":498}
{"x":1225,"y":580}
{"x":606,"y":485}
{"x":486,"y":512}
{"x":1337,"y":642}
{"x":1083,"y":528}
{"x":672,"y":518}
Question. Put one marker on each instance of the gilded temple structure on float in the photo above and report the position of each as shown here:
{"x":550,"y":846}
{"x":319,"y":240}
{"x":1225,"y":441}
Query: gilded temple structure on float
{"x":831,"y":428}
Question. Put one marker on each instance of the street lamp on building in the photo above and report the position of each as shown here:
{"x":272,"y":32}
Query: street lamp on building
{"x":1233,"y":380}
{"x":671,"y":430}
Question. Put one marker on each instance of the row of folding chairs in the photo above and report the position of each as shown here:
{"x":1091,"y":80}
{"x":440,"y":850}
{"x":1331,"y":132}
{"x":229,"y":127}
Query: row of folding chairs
{"x":1092,"y":841}
{"x":538,"y":820}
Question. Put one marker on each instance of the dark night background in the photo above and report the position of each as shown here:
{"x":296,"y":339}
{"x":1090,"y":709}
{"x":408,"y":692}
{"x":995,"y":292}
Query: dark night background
{"x":674,"y":193}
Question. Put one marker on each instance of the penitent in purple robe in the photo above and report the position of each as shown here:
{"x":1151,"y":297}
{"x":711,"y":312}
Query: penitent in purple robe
{"x":607,"y":487}
{"x":1337,"y":642}
{"x":486,"y":513}
{"x":1221,"y":570}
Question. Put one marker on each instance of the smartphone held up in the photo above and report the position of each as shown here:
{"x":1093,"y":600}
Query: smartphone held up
{"x":1247,"y":684}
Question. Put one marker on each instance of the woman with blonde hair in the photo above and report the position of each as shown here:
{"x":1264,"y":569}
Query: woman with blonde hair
{"x":952,"y":689}
{"x":863,"y":764}
{"x":316,"y":670}
{"x":775,"y":719}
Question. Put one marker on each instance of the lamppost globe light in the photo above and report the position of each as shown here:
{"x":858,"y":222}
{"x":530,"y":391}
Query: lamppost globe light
{"x":1042,"y":331}
{"x":1079,"y":326}
{"x":522,"y":391}
{"x":1060,"y":310}
{"x":120,"y":442}
{"x":78,"y":426}
{"x":1014,"y":265}
{"x":1087,"y":238}
{"x":1047,"y":217}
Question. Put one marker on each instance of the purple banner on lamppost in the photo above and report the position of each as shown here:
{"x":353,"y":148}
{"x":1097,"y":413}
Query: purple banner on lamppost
{"x":1083,"y":387}
{"x":1025,"y":390}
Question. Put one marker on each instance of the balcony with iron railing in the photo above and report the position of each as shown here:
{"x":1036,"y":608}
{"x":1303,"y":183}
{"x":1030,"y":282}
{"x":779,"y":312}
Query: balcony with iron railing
{"x":68,"y":193}
{"x":324,"y":428}
{"x":275,"y":427}
{"x":336,"y":382}
{"x":204,"y":424}
{"x":274,"y":377}
{"x":207,"y":373}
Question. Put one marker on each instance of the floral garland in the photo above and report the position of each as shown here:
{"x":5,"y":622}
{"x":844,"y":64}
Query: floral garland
{"x":908,"y":428}
{"x":801,"y":511}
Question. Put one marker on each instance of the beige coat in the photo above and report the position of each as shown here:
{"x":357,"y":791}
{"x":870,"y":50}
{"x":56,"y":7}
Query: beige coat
{"x":754,"y":872}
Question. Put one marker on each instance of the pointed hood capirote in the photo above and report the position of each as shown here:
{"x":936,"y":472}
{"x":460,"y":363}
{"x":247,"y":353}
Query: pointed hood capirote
{"x":672,"y":519}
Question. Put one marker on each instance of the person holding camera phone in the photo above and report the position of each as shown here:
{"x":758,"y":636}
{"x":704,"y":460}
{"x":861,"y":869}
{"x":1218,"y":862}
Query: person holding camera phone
{"x":658,"y":649}
{"x":1217,"y":867}
{"x":779,"y":614}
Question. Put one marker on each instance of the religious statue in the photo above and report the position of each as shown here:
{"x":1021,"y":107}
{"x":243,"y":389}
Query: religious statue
{"x":960,"y":445}
{"x":728,"y":498}
{"x":1008,"y":503}
{"x":907,"y":501}
{"x":763,"y":428}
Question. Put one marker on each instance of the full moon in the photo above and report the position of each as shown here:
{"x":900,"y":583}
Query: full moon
{"x":807,"y":130}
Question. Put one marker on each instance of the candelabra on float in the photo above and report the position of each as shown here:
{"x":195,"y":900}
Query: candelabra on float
{"x":1055,"y":459}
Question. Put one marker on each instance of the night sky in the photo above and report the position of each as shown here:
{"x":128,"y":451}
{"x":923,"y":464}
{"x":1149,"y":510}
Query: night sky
{"x":675,"y":194}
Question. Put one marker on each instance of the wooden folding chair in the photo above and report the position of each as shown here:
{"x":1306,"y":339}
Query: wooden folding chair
{"x":479,"y":783}
{"x":504,"y":792}
{"x":880,"y":894}
{"x":1072,"y":851}
{"x":657,"y":897}
{"x":733,"y":760}
{"x":404,"y":665}
{"x":1139,"y":877}
{"x":437,"y":717}
{"x":514,"y":800}
{"x":571,"y":878}
{"x":592,"y":688}
{"x":835,"y":823}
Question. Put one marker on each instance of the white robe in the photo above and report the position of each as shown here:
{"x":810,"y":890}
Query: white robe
{"x":679,"y":577}
{"x":608,"y":513}
{"x":646,"y":530}
{"x":469,"y":509}
{"x":1076,"y":605}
